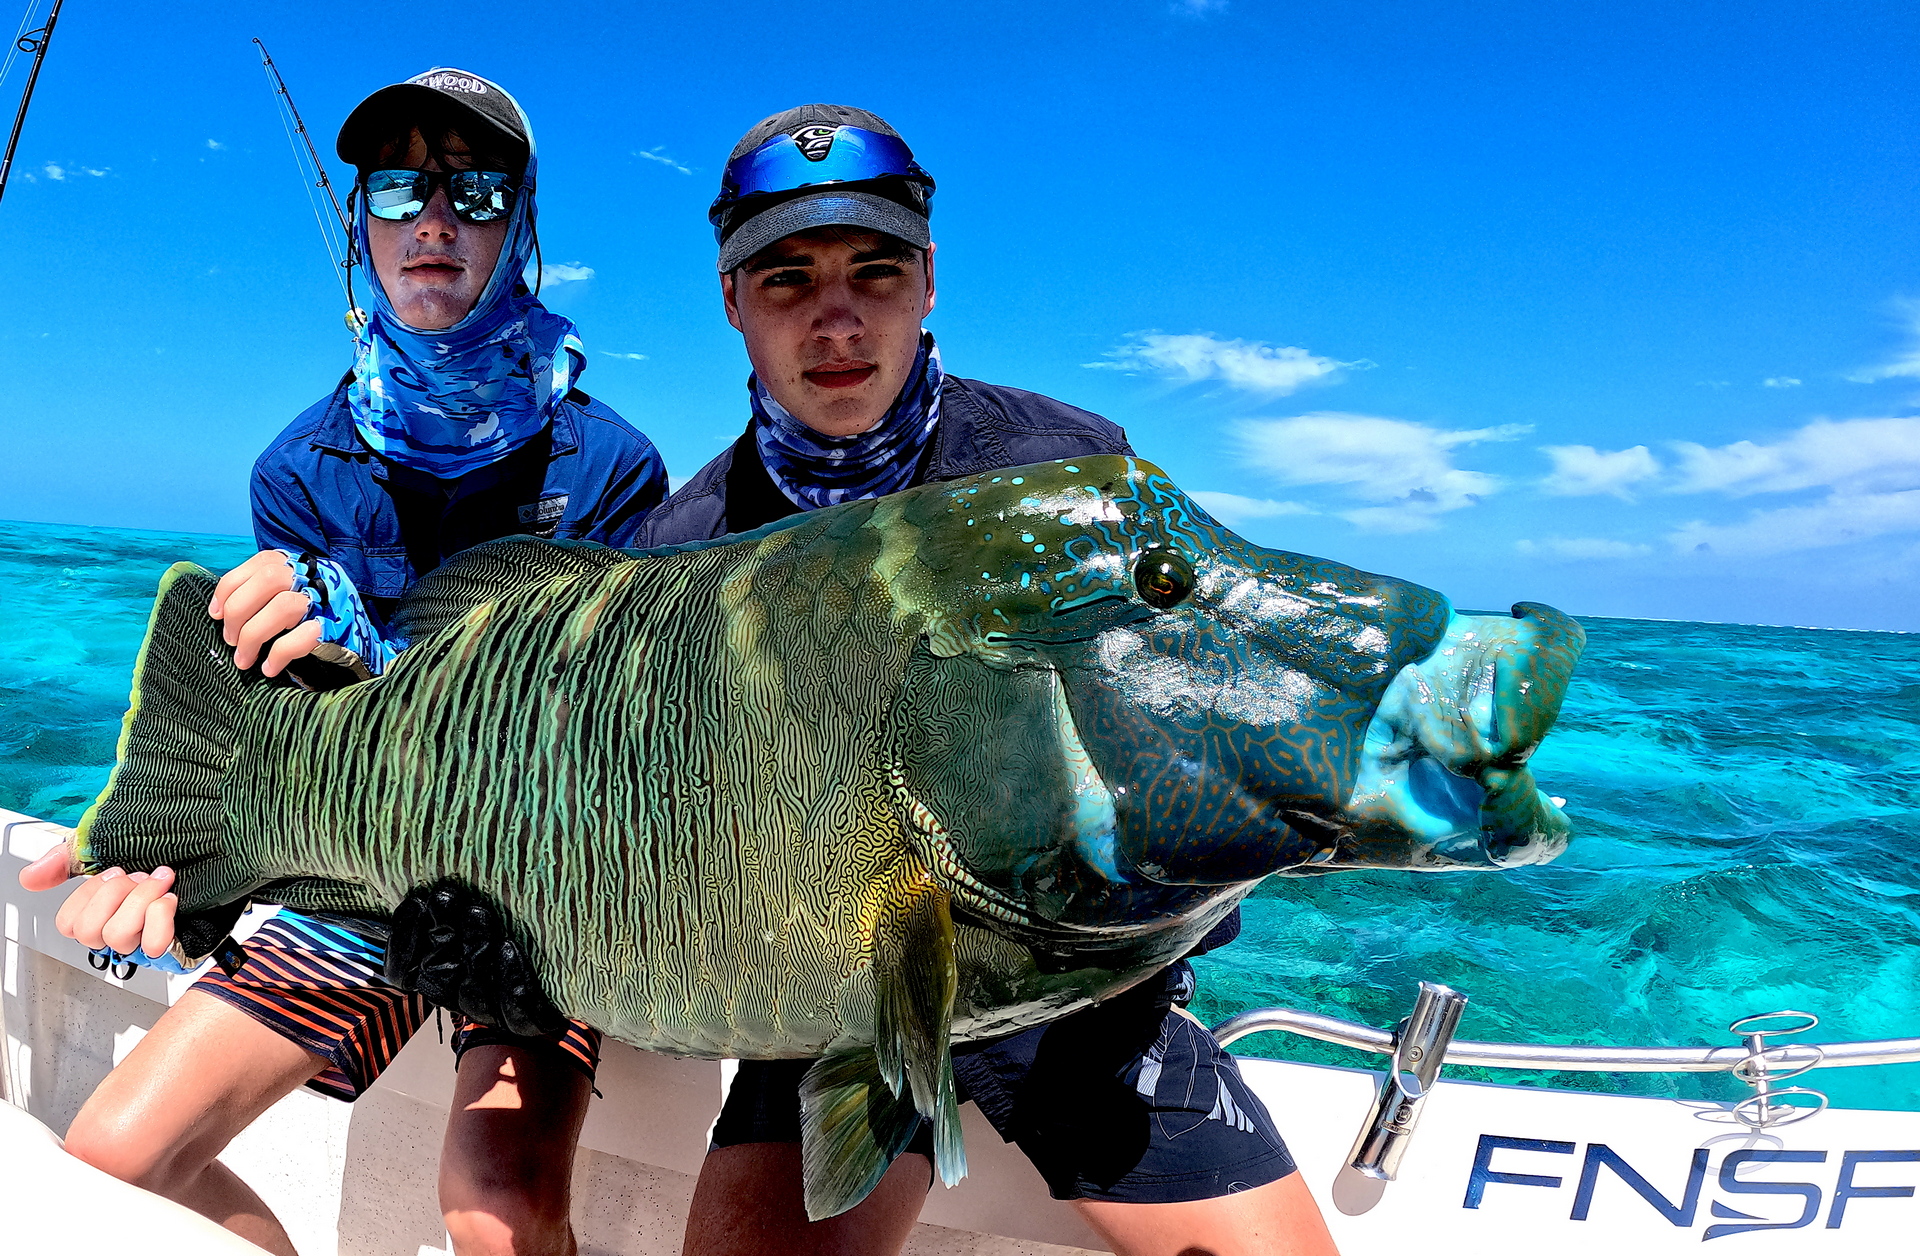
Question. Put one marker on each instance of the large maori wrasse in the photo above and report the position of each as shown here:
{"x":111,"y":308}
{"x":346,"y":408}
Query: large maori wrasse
{"x":940,"y":765}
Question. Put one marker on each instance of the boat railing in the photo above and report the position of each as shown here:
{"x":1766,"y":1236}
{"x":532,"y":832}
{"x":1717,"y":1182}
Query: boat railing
{"x":1427,"y":1033}
{"x":1573,"y":1057}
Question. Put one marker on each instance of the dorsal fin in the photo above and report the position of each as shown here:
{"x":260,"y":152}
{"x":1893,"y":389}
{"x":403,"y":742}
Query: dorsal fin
{"x":487,"y":573}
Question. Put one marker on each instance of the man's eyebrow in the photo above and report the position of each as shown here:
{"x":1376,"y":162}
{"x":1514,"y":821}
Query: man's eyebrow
{"x":880,"y":255}
{"x":759,"y":264}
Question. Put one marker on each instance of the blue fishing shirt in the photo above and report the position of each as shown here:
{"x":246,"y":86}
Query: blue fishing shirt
{"x":589,"y":476}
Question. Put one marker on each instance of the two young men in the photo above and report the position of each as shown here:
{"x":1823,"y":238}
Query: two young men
{"x":1130,"y":1109}
{"x":459,"y":423}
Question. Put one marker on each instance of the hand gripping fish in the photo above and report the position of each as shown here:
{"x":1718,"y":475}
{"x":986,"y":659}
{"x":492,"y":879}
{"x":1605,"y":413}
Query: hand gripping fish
{"x":940,"y":765}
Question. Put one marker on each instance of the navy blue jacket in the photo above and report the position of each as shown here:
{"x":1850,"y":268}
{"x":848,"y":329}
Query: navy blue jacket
{"x":589,"y":477}
{"x":983,"y":427}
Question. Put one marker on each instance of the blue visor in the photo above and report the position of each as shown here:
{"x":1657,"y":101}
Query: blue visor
{"x":847,"y":154}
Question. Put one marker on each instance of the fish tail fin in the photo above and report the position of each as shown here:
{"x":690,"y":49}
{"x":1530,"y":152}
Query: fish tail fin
{"x":162,"y":802}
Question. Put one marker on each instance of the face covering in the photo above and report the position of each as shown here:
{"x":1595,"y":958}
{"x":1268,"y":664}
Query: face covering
{"x":449,"y":402}
{"x":814,"y":470}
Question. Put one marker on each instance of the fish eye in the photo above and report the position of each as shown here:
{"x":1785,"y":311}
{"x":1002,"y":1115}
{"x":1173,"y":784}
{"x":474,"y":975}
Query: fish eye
{"x":1163,"y":578}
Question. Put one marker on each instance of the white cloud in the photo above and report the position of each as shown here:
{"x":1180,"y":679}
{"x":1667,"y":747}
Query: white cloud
{"x":1582,"y":470}
{"x":1854,"y":455}
{"x":654,"y":154}
{"x":1839,"y":520}
{"x":98,"y":174}
{"x":631,"y":357}
{"x":565,"y":272}
{"x":1908,"y":363}
{"x":215,"y":145}
{"x":1581,"y":548}
{"x":1234,"y":510}
{"x":1780,"y":381}
{"x":1199,"y":8}
{"x":1274,"y":370}
{"x":55,"y":173}
{"x":1870,"y":469}
{"x":1403,"y":470}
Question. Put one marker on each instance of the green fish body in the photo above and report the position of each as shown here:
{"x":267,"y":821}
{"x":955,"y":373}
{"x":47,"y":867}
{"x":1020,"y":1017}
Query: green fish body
{"x":941,"y":765}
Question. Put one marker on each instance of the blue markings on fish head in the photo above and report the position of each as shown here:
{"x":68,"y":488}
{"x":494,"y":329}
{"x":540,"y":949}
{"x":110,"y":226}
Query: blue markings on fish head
{"x":1123,"y":707}
{"x":1212,"y":696}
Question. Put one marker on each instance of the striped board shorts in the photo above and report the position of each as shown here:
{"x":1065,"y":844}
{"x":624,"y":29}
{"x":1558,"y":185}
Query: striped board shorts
{"x":315,"y":979}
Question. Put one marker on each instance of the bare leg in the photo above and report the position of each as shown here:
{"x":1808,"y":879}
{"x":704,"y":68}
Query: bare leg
{"x":748,"y":1201}
{"x":506,"y":1168}
{"x":203,"y":1074}
{"x":1278,"y":1219}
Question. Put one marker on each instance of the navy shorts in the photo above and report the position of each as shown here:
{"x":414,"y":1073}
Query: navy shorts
{"x":1130,"y":1101}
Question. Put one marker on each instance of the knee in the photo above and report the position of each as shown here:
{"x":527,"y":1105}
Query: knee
{"x":506,"y":1220}
{"x":115,"y":1148}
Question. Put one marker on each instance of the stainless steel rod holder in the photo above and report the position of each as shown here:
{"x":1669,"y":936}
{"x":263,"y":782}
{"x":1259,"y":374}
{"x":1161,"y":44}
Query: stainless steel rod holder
{"x":1419,"y":1050}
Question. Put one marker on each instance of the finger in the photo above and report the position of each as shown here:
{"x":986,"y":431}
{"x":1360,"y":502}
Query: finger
{"x":285,"y":611}
{"x":247,"y":601}
{"x":260,"y":563}
{"x":123,"y":930}
{"x":76,"y":903}
{"x":295,"y":643}
{"x":51,"y":871}
{"x":109,"y":891}
{"x":157,"y":938}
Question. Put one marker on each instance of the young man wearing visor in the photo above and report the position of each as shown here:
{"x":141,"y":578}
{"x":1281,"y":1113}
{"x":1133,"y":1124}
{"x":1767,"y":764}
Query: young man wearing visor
{"x":1130,"y":1109}
{"x":459,"y":423}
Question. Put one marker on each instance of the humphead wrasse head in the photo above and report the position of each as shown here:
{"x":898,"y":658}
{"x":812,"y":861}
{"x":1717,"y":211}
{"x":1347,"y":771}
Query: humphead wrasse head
{"x":1120,"y":707}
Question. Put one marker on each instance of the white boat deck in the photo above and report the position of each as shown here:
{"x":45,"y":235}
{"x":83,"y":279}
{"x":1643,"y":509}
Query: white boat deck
{"x":1492,"y":1168}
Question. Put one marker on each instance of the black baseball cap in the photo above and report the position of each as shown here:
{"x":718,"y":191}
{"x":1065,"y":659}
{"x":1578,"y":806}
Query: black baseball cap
{"x":899,"y":211}
{"x":472,"y":104}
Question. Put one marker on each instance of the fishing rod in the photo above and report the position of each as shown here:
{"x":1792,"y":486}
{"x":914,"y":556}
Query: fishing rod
{"x":341,"y":254}
{"x":36,"y":43}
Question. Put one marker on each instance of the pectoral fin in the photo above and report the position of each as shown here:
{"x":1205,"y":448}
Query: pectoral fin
{"x":852,"y":1126}
{"x":861,"y":1107}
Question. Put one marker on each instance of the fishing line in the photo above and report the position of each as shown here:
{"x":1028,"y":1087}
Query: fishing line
{"x":313,"y":178}
{"x":13,"y":48}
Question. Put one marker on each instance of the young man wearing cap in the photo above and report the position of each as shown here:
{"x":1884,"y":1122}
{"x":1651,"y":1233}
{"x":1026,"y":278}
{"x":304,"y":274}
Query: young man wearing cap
{"x":458,"y":423}
{"x":1130,"y":1110}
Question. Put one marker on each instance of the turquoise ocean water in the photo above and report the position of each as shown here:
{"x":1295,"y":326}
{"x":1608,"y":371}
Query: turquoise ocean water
{"x":1746,"y":802}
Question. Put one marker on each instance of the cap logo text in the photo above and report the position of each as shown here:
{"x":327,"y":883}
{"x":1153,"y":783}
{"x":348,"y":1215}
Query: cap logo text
{"x":445,"y":82}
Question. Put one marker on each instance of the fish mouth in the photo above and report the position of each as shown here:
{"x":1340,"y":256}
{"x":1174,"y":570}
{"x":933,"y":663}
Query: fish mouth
{"x":1443,"y":783}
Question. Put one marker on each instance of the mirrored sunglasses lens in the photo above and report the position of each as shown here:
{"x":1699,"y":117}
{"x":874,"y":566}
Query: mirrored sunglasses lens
{"x":394,"y":194}
{"x":481,"y":196}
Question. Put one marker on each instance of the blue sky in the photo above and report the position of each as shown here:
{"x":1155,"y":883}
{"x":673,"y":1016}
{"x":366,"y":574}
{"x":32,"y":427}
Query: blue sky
{"x":1615,"y":307}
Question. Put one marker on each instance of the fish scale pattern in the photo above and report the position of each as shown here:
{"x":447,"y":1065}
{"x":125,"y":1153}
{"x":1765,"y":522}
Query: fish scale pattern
{"x":708,"y":870}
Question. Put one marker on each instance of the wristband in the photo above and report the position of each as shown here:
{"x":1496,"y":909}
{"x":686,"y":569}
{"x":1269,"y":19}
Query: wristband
{"x":105,"y":959}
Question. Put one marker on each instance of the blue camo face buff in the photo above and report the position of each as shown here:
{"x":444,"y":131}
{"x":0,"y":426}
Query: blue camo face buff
{"x":812,"y":470}
{"x":449,"y":402}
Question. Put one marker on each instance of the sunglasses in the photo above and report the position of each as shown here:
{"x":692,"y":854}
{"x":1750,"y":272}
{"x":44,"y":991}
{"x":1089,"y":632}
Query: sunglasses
{"x":475,"y":195}
{"x":845,"y":154}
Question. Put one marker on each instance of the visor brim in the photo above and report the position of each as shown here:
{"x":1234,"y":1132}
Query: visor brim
{"x":823,"y":209}
{"x":370,"y":123}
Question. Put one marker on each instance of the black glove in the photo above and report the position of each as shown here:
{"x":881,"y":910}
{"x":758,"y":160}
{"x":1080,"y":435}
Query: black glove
{"x":451,"y":945}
